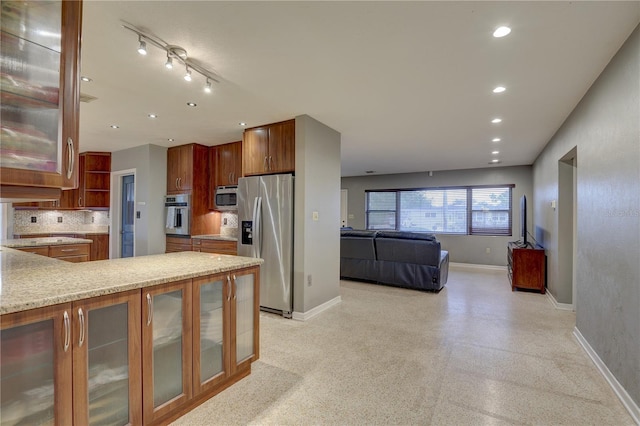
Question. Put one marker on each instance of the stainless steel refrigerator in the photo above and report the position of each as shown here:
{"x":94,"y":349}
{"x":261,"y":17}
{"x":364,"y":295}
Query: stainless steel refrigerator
{"x":265,"y":219}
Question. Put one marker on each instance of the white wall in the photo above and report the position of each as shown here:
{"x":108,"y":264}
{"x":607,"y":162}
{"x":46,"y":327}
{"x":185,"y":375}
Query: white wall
{"x":605,"y":128}
{"x":462,"y":248}
{"x":317,"y":189}
{"x":150,"y":164}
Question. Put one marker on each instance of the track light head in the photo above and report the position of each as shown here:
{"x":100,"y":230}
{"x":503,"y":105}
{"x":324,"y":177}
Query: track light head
{"x":142,"y":47}
{"x":169,"y":64}
{"x":207,"y":87}
{"x":187,"y":76}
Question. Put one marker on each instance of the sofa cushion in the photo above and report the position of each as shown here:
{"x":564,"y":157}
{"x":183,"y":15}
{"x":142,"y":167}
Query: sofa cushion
{"x":357,"y":233}
{"x":403,"y":235}
{"x":422,"y":252}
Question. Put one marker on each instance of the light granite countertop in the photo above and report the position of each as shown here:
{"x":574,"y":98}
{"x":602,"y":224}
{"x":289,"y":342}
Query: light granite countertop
{"x":43,"y":241}
{"x":31,"y":281}
{"x":215,"y":237}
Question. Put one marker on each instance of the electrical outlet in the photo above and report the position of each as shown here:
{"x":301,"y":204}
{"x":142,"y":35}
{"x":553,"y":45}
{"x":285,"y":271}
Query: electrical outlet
{"x":309,"y":280}
{"x":34,"y":219}
{"x":93,"y":219}
{"x":137,"y":215}
{"x":487,"y":250}
{"x":59,"y":219}
{"x":224,"y":221}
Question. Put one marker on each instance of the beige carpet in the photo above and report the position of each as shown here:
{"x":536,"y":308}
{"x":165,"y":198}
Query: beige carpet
{"x":474,"y":354}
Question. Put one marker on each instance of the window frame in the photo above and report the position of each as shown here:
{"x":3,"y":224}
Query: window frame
{"x":470,"y":210}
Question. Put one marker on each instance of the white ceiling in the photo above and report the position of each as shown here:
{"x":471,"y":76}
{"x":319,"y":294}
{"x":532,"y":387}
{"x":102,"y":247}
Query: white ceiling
{"x":407,"y":84}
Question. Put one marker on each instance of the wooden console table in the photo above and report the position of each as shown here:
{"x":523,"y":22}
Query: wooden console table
{"x":526,"y":266}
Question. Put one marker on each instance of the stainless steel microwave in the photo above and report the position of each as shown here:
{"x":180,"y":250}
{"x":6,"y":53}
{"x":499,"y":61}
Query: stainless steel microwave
{"x":227,"y":198}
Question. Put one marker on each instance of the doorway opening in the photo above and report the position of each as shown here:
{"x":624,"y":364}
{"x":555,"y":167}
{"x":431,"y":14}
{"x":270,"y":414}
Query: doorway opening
{"x":127,"y":216}
{"x":567,"y":222}
{"x":123,"y":195}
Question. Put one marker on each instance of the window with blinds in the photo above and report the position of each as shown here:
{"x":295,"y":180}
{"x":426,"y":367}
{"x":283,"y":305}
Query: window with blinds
{"x":469,"y":210}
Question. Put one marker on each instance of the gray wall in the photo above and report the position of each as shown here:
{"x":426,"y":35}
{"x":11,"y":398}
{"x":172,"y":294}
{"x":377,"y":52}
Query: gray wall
{"x":317,"y":189}
{"x":605,"y":128}
{"x":150,"y":163}
{"x":462,"y":248}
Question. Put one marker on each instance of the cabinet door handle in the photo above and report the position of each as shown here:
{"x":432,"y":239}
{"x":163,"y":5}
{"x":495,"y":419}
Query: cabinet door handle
{"x":266,"y":165}
{"x":80,"y":202}
{"x":69,"y":250}
{"x":235,"y":288}
{"x":67,"y":330}
{"x":229,"y":292}
{"x":71,"y":157}
{"x":150,"y":309}
{"x":81,"y":318}
{"x":230,"y":177}
{"x":270,"y":162}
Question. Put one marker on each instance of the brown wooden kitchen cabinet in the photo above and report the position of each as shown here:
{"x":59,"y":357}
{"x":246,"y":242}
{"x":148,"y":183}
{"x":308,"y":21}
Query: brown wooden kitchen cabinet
{"x":225,"y":326}
{"x":216,"y":246}
{"x":94,"y":188}
{"x":166,"y":349}
{"x":187,"y":167}
{"x":188,"y":173}
{"x":73,"y":363}
{"x":68,"y":252}
{"x":99,"y":247}
{"x":228,"y":165}
{"x":269,"y":149}
{"x":225,"y":163}
{"x":176,"y":244}
{"x":95,"y":180}
{"x":42,"y":115}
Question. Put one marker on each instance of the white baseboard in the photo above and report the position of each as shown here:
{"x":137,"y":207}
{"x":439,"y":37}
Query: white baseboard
{"x":561,"y":306}
{"x":478,"y":266}
{"x":303,"y":316}
{"x":620,"y":391}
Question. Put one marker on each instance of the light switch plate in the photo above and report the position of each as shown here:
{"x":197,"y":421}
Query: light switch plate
{"x":314,"y":215}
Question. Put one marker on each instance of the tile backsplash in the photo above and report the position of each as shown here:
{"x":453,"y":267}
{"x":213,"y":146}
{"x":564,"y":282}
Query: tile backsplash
{"x":230,"y":228}
{"x":59,"y":221}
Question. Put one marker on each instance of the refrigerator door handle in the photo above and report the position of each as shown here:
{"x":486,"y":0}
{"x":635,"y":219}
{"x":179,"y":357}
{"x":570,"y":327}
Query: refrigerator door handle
{"x":258,"y":226}
{"x":254,"y":229}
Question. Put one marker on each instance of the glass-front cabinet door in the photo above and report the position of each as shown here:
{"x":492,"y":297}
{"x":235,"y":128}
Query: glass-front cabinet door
{"x":35,"y":367}
{"x":40,"y":42}
{"x":107,"y":382}
{"x":245,"y":303}
{"x":211,"y":296}
{"x":166,"y":348}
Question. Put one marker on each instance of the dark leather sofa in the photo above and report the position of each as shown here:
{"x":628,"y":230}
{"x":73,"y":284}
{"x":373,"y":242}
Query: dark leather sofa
{"x":402,"y":259}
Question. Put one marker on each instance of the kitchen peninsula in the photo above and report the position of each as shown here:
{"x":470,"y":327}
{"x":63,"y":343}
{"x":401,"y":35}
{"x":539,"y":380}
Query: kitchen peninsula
{"x":138,"y":340}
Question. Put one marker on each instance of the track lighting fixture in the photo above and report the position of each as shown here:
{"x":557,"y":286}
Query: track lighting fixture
{"x":174,"y":53}
{"x":142,"y":47}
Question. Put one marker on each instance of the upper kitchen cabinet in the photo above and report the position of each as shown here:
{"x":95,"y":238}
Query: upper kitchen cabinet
{"x":228,"y":165}
{"x":185,"y":162}
{"x":269,"y":149}
{"x":95,"y":180}
{"x":40,"y":44}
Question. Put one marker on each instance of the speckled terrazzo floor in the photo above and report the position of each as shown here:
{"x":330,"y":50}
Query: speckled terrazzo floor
{"x":474,"y":354}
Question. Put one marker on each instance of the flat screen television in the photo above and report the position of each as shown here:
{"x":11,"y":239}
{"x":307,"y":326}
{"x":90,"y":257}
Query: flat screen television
{"x":523,"y":220}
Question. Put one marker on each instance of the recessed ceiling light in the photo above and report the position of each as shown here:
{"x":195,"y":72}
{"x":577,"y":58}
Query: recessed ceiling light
{"x":242,"y":123}
{"x":115,"y":126}
{"x":87,"y":79}
{"x":495,"y":140}
{"x":370,"y":172}
{"x":501,"y":32}
{"x":171,"y":139}
{"x":496,"y":120}
{"x":495,"y":152}
{"x":499,"y":89}
{"x":495,"y":160}
{"x":153,"y":116}
{"x":192,"y":104}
